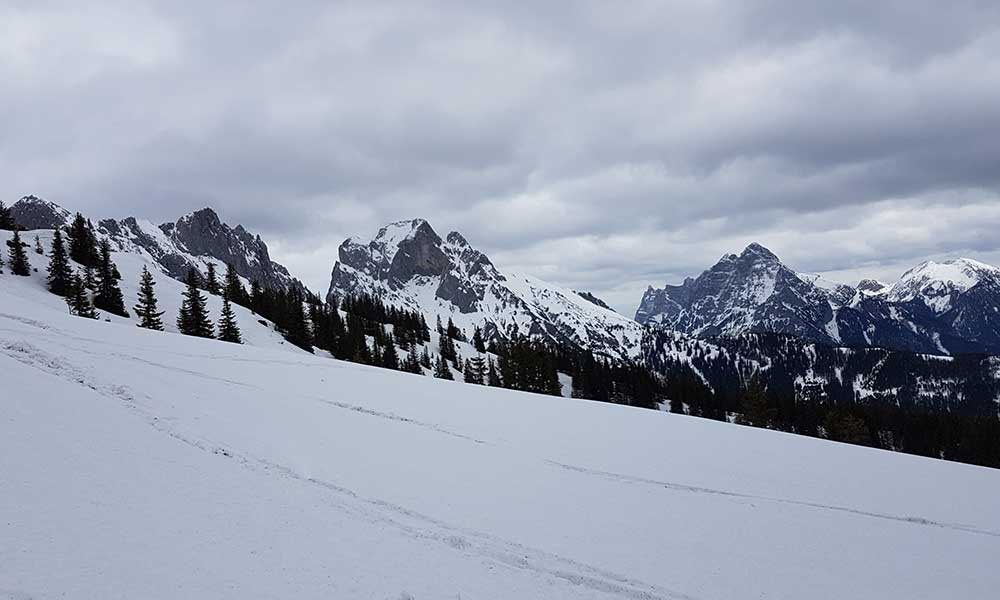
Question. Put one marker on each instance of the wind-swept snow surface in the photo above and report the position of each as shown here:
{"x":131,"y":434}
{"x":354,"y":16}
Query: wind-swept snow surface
{"x":139,"y":464}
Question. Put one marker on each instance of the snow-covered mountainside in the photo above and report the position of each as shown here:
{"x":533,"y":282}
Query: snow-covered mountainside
{"x":32,"y":290}
{"x":141,"y":464}
{"x":194,"y":240}
{"x":939,"y":285}
{"x":755,"y":292}
{"x":32,"y":212}
{"x":408,"y":265}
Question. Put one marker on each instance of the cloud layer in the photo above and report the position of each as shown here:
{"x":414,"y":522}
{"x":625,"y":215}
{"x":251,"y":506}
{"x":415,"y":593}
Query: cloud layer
{"x":603,"y":146}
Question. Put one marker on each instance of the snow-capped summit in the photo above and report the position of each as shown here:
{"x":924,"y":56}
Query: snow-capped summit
{"x":32,"y":212}
{"x":752,"y":291}
{"x":938,"y":284}
{"x":410,"y":266}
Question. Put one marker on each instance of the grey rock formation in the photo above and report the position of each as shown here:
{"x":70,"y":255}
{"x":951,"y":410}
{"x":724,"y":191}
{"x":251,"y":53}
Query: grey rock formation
{"x":32,"y":212}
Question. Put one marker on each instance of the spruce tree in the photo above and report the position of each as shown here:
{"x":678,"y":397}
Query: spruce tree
{"x":297,"y":330}
{"x":6,"y":219}
{"x":193,"y":316}
{"x":493,"y":375}
{"x":82,"y":242}
{"x":211,"y":280}
{"x":442,"y":370}
{"x":412,"y":361}
{"x":38,"y":246}
{"x":390,"y":360}
{"x":109,"y":296}
{"x":19,"y":264}
{"x":59,"y":271}
{"x":78,"y":299}
{"x":229,"y":330}
{"x":149,"y":317}
{"x":233,"y":287}
{"x":477,"y":340}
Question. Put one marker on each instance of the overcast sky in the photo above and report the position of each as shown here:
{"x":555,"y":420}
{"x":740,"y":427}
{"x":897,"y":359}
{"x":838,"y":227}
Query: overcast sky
{"x":604,"y":146}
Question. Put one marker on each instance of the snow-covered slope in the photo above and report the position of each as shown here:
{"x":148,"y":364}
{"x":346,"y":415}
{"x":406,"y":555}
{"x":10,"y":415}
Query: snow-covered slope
{"x":938,"y":285}
{"x":408,"y":265}
{"x":139,"y":464}
{"x":256,"y":331}
{"x":755,"y":292}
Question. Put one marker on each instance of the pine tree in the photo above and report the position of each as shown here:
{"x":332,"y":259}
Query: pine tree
{"x":754,"y":409}
{"x":474,"y":371}
{"x":477,"y":340}
{"x":109,"y":296}
{"x":442,"y":370}
{"x":79,"y":300}
{"x":83,"y":242}
{"x":425,"y":358}
{"x":297,"y":331}
{"x":149,"y":317}
{"x":233,"y":287}
{"x":19,"y":264}
{"x":211,"y":281}
{"x":390,"y":360}
{"x":38,"y":246}
{"x":59,"y":271}
{"x":193,"y":317}
{"x":412,"y":362}
{"x":229,"y":330}
{"x":492,"y":375}
{"x":6,"y":219}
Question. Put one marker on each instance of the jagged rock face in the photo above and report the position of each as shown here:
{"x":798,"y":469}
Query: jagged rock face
{"x":754,"y":292}
{"x":196,"y":239}
{"x":408,"y":265}
{"x":32,"y":212}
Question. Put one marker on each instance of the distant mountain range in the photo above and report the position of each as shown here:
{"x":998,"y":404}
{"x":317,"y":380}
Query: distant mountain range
{"x":194,"y":240}
{"x":748,"y":314}
{"x":935,"y":308}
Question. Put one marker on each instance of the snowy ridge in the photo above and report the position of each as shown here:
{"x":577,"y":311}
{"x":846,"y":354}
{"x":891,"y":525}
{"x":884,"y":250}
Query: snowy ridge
{"x":408,"y":265}
{"x":938,"y":284}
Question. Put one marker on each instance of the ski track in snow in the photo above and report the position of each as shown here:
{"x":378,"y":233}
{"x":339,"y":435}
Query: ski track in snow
{"x":417,"y":525}
{"x":703,"y":490}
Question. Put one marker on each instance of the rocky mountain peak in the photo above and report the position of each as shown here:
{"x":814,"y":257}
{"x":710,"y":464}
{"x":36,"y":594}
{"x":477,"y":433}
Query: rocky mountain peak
{"x":755,"y":251}
{"x":32,"y":212}
{"x":409,"y":266}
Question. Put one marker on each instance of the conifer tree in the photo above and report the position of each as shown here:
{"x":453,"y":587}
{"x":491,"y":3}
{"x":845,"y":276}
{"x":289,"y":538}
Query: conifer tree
{"x":109,"y":296}
{"x":477,"y":340}
{"x":390,"y":360}
{"x":78,"y":300}
{"x":59,"y":271}
{"x":19,"y":264}
{"x":474,"y":371}
{"x":425,"y":358}
{"x":442,"y":370}
{"x":755,"y":411}
{"x":298,"y":332}
{"x":229,"y":330}
{"x":193,"y":316}
{"x":38,"y":246}
{"x":149,"y":317}
{"x":492,"y":375}
{"x":89,"y":278}
{"x":82,"y":242}
{"x":412,"y":362}
{"x":233,"y":287}
{"x":6,"y":219}
{"x":211,"y":280}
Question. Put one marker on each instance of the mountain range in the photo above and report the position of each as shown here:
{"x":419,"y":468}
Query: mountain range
{"x":194,"y":240}
{"x":935,"y":308}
